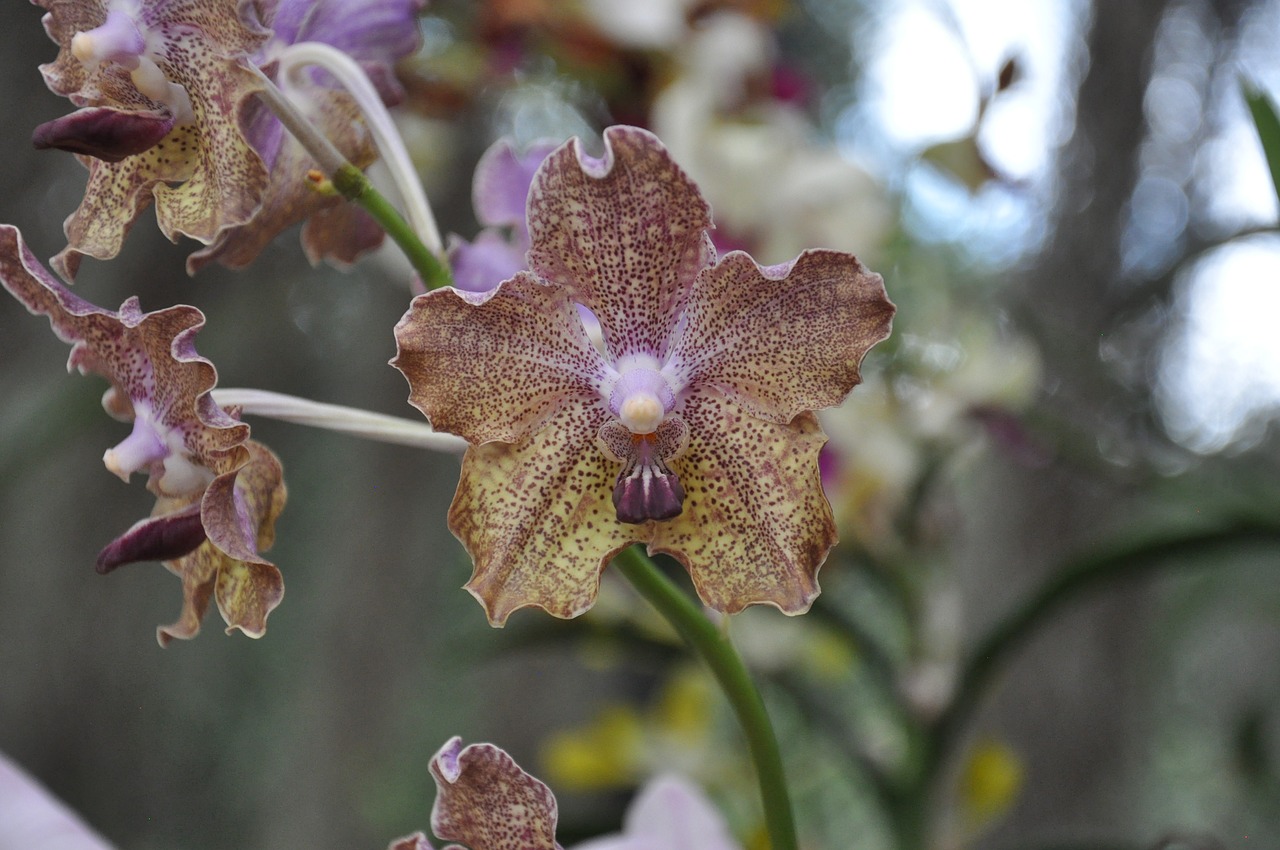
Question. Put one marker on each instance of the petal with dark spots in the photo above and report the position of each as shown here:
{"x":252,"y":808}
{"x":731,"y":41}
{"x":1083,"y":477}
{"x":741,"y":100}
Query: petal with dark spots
{"x":486,"y":801}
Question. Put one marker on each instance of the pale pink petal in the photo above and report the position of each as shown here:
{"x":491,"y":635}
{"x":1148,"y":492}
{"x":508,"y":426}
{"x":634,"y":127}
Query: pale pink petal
{"x":625,"y":234}
{"x":500,"y":188}
{"x":756,"y":526}
{"x":784,"y":339}
{"x":33,"y":819}
{"x":537,"y":516}
{"x":486,"y":801}
{"x":669,"y":813}
{"x":496,"y":365}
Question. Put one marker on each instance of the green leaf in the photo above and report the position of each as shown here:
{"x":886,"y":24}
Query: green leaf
{"x":1268,"y":124}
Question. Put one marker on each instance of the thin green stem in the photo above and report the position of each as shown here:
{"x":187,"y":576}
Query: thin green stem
{"x":716,"y":649}
{"x":352,"y":183}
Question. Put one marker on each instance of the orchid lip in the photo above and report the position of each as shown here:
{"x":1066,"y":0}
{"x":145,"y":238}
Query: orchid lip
{"x":647,"y":489}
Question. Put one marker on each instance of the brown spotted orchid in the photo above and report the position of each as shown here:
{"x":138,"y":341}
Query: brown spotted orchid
{"x":160,"y":84}
{"x":218,"y":492}
{"x":690,"y":430}
{"x":486,"y":801}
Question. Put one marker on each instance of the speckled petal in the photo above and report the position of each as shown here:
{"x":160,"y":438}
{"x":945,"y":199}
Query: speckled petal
{"x":756,"y":526}
{"x":416,"y":841}
{"x":496,"y":365}
{"x":485,"y":800}
{"x":537,"y":517}
{"x":782,"y":339}
{"x":150,"y":359}
{"x":289,"y":196}
{"x":239,"y":514}
{"x":625,"y":234}
{"x":238,"y":510}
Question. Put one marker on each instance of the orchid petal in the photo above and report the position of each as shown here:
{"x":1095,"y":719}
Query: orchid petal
{"x":289,"y":197}
{"x":31,"y":818}
{"x":669,"y":813}
{"x":158,"y":538}
{"x":756,"y":526}
{"x":494,"y":366}
{"x":106,"y":134}
{"x":537,"y":517}
{"x":783,"y":339}
{"x":485,"y":800}
{"x":238,"y":510}
{"x":482,"y":264}
{"x":415,"y":841}
{"x":626,"y":235}
{"x":500,"y":188}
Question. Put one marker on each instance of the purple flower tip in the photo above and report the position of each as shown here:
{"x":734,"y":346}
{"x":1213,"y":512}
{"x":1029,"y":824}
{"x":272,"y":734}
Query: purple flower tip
{"x":647,"y":489}
{"x":162,"y":538}
{"x":108,"y":134}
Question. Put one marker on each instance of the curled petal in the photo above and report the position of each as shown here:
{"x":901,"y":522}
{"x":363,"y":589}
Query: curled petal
{"x":238,"y":511}
{"x":626,"y":235}
{"x":486,"y":801}
{"x":289,"y":197}
{"x":496,"y":365}
{"x":416,"y":841}
{"x":536,"y":517}
{"x":150,"y":359}
{"x":783,"y":339}
{"x":106,"y":134}
{"x":756,"y":526}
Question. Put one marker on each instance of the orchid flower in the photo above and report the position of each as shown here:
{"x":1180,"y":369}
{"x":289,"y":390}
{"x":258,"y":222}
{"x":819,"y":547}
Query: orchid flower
{"x":486,"y":801}
{"x":690,"y":429}
{"x":218,"y":493}
{"x":375,"y":33}
{"x":160,"y":84}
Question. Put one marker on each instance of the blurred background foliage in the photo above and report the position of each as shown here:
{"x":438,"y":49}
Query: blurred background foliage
{"x":1053,"y":620}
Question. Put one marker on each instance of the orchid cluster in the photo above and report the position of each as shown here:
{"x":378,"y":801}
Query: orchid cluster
{"x":628,"y":384}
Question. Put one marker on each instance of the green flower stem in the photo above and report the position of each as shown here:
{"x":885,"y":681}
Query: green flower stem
{"x":352,"y":183}
{"x":716,"y":649}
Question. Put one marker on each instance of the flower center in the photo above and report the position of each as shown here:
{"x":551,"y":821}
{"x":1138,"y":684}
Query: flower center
{"x":119,"y":40}
{"x":641,"y":399}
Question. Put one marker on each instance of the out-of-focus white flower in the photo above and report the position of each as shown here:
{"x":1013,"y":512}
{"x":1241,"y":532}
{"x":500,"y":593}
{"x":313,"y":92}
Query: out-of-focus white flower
{"x":772,"y":183}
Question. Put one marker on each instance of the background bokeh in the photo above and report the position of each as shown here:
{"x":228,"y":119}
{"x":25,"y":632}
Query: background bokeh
{"x":1073,"y":213}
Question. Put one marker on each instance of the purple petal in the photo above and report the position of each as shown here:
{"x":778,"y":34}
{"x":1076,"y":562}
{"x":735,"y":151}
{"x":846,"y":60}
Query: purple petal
{"x":375,"y":33}
{"x":108,"y":134}
{"x":481,"y":265}
{"x":162,"y":538}
{"x":500,"y":188}
{"x":669,"y":813}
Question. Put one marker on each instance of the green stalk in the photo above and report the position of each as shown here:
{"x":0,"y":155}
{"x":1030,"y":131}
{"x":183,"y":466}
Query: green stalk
{"x":352,"y":183}
{"x":716,"y":649}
